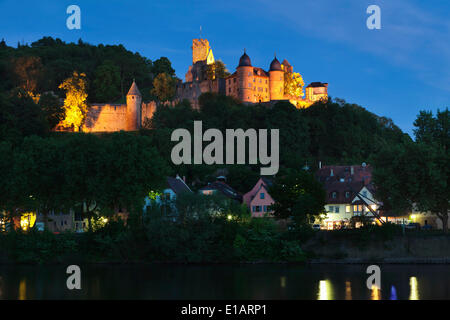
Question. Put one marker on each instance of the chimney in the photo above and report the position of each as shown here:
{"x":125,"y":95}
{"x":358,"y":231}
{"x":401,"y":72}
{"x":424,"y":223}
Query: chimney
{"x":331,"y":173}
{"x":352,"y":170}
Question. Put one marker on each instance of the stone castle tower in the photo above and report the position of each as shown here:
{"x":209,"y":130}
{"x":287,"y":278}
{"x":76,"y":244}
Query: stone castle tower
{"x":245,"y":76}
{"x":276,"y":80}
{"x":133,"y":114}
{"x":201,"y":51}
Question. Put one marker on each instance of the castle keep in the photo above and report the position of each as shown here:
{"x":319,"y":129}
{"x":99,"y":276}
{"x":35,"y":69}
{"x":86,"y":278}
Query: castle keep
{"x":248,"y":84}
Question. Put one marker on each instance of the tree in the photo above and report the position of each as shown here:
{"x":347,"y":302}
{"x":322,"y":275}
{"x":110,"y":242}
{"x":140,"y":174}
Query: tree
{"x":84,"y":167}
{"x":52,"y":108}
{"x":28,"y":71}
{"x":39,"y":180}
{"x":297,"y":195}
{"x":293,"y":85}
{"x":131,"y":169}
{"x":217,"y":70}
{"x":20,"y":116}
{"x":162,"y":65}
{"x":107,"y":82}
{"x":75,"y":104}
{"x":163,"y":87}
{"x":415,"y":175}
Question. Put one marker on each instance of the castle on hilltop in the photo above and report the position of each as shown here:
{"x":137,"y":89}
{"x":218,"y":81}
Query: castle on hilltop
{"x":248,"y":84}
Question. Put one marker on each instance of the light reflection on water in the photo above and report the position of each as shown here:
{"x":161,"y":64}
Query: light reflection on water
{"x":414,"y":288}
{"x":348,"y":290}
{"x":226,"y":282}
{"x":325,"y":290}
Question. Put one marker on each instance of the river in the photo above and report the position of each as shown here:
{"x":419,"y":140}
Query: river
{"x":258,"y":281}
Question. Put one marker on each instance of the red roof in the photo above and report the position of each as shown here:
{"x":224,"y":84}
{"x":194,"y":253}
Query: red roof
{"x":343,"y":182}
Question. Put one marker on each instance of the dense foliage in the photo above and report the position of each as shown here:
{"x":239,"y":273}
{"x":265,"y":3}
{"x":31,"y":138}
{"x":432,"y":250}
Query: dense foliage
{"x":334,"y":132}
{"x":415,"y":175}
{"x":110,"y":69}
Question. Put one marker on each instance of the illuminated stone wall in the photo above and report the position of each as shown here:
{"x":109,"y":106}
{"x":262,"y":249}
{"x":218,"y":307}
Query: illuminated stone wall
{"x":111,"y":118}
{"x":200,"y":50}
{"x":106,"y":118}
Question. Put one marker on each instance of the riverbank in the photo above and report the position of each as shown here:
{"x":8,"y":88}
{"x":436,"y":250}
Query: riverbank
{"x":258,"y":243}
{"x":357,"y":248}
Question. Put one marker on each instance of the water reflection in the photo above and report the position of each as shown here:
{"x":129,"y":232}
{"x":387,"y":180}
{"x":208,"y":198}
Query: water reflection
{"x":325,"y":290}
{"x":393,"y":293}
{"x":283,"y":282}
{"x":176,"y":282}
{"x":413,"y":289}
{"x":376,"y":293}
{"x":23,"y":289}
{"x":348,"y":290}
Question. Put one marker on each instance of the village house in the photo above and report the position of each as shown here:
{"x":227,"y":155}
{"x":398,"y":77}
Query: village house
{"x":166,"y":199}
{"x":220,"y":187}
{"x":349,"y":193}
{"x":258,"y":199}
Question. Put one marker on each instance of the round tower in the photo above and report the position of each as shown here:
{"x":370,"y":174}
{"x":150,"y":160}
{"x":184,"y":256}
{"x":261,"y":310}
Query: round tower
{"x":245,"y":79}
{"x":133,"y":116}
{"x":276,"y":80}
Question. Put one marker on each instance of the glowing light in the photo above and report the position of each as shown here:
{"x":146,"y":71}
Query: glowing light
{"x":414,"y":289}
{"x":348,"y":290}
{"x":393,"y":293}
{"x":230,"y":217}
{"x":325,"y":290}
{"x":413,"y":217}
{"x":376,"y":293}
{"x":105,"y":220}
{"x":23,"y":289}
{"x":27,"y":221}
{"x":283,"y":282}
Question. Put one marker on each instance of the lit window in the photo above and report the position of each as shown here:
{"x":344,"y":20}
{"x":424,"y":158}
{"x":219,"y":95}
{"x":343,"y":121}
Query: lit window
{"x":348,"y":209}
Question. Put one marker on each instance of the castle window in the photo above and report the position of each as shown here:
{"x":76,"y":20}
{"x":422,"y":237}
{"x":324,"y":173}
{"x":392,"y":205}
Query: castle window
{"x":249,"y":73}
{"x":249,"y":85}
{"x":266,"y":81}
{"x":254,"y":80}
{"x":234,"y":80}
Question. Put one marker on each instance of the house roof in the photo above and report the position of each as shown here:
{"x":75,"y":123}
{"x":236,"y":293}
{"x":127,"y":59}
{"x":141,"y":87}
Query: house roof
{"x":345,"y":181}
{"x":286,"y":63}
{"x":224,"y":188}
{"x":177,"y":185}
{"x":317,"y":85}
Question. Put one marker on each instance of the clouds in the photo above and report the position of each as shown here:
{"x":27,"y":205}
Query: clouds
{"x":414,"y":36}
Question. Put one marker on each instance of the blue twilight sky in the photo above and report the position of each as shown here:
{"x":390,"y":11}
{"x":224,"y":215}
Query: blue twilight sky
{"x":395,"y":71}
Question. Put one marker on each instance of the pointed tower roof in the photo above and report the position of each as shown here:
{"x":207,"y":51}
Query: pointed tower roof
{"x":285,"y":62}
{"x":134,"y":90}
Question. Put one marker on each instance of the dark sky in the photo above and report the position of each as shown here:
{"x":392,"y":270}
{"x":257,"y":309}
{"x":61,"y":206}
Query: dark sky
{"x":394,"y":72}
